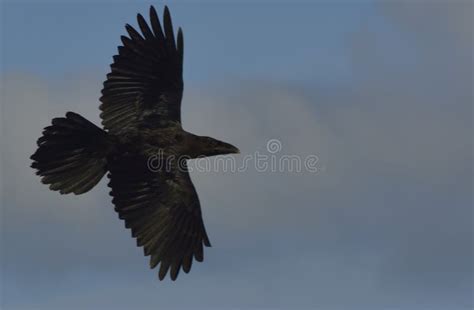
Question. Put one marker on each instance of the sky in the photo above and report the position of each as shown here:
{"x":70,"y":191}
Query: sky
{"x":379,"y":91}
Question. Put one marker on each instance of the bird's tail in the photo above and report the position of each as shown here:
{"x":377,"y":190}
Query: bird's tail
{"x":71,"y":155}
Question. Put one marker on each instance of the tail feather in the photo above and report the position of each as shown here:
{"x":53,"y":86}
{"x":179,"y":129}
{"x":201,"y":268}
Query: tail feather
{"x":71,"y":154}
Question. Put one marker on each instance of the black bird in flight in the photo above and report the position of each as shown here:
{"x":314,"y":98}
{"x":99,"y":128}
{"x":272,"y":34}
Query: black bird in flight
{"x":141,"y":116}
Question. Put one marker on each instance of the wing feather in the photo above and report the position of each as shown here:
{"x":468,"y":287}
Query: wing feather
{"x":169,"y":29}
{"x":163,"y":211}
{"x":145,"y":85}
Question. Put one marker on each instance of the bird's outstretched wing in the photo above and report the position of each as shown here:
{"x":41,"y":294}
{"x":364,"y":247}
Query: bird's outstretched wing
{"x":163,"y":211}
{"x":145,"y":85}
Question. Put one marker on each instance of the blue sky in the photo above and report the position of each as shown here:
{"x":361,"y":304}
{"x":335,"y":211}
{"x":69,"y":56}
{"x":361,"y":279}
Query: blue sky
{"x":305,"y":43}
{"x":381,"y":92}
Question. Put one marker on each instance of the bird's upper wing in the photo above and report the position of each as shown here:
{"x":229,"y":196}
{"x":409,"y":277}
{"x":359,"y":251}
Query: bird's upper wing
{"x":145,"y":85}
{"x":163,"y":211}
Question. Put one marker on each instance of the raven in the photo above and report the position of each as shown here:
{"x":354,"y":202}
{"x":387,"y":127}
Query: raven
{"x":141,"y":117}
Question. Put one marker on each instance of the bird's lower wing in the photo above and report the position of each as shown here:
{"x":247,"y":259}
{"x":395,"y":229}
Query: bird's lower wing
{"x":162,"y":209}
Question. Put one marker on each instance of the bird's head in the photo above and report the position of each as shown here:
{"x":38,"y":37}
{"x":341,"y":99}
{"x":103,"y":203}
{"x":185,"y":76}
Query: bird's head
{"x":210,"y":147}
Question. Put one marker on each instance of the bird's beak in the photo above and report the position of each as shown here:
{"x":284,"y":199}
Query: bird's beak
{"x":233,"y":150}
{"x":227,"y":148}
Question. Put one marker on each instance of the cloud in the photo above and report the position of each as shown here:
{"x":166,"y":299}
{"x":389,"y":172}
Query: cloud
{"x":386,"y":223}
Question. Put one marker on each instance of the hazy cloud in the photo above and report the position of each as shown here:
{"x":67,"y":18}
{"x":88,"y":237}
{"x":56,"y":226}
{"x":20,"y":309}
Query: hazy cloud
{"x":386,"y":223}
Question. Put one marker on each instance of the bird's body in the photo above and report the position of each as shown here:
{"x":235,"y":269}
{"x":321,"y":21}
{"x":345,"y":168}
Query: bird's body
{"x":142,"y":146}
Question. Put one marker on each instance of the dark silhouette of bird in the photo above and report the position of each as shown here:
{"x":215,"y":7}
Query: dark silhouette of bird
{"x":141,"y":118}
